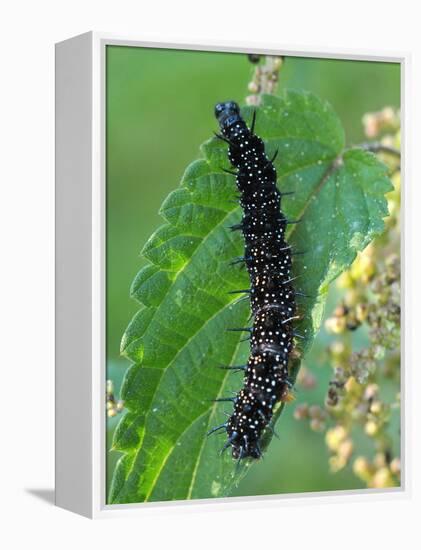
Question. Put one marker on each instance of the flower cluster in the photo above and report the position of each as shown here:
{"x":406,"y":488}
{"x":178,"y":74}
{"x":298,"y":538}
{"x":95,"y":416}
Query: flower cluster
{"x":356,"y":407}
{"x":113,"y":406}
{"x":380,"y":472}
{"x":388,"y":119}
{"x":265,"y":78}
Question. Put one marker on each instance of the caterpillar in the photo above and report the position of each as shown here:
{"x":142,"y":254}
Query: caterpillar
{"x":268,"y":258}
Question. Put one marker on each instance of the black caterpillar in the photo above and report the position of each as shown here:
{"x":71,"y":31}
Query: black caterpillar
{"x":268,"y":260}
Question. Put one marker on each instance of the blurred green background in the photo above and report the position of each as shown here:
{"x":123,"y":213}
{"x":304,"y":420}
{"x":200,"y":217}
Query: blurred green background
{"x":159,"y":109}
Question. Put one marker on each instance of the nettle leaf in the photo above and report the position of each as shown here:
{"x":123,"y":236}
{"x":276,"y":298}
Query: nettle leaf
{"x":178,"y":338}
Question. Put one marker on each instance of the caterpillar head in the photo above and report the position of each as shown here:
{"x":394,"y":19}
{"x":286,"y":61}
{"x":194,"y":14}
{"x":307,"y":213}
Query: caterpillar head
{"x":227,"y":114}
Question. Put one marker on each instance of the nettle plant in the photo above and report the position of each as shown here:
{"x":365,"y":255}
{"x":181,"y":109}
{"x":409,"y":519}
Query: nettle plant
{"x":179,"y":338}
{"x":364,"y":391}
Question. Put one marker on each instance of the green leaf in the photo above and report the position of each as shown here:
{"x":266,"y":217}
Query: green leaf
{"x":178,"y":338}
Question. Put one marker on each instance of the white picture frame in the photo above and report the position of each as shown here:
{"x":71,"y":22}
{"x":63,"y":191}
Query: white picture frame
{"x":80,"y":276}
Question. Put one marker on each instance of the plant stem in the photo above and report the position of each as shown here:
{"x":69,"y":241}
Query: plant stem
{"x":265,"y":79}
{"x":377,"y":147}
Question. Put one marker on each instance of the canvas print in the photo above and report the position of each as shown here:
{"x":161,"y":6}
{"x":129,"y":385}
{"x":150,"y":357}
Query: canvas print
{"x":252,"y":275}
